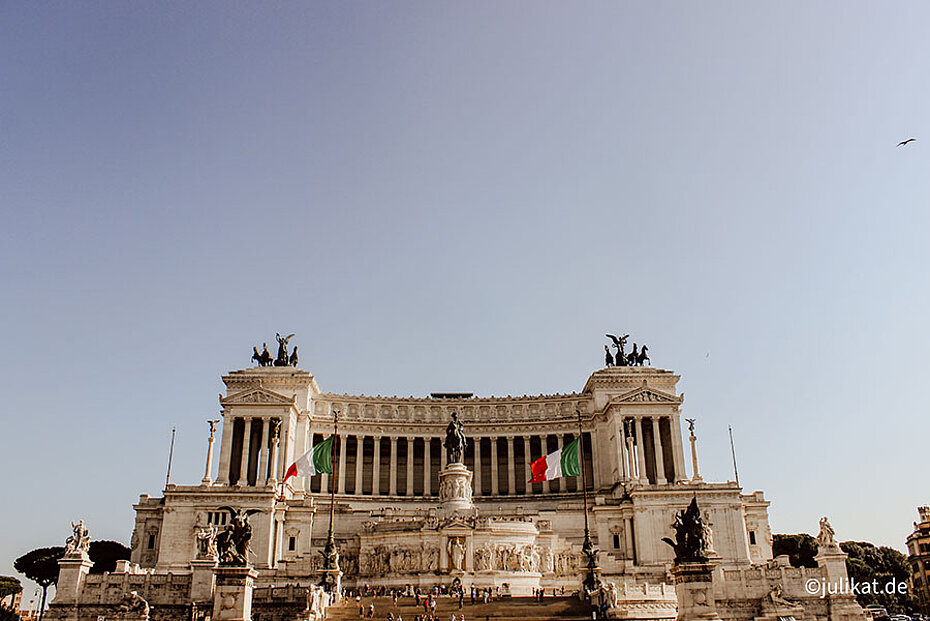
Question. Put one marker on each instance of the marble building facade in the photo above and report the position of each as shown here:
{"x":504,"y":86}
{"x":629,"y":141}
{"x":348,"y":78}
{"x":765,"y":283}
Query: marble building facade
{"x":389,"y":522}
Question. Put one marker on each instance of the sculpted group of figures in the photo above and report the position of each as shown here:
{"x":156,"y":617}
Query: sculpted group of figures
{"x":693,"y":538}
{"x":230,"y":546}
{"x":283,"y":359}
{"x":636,"y":358}
{"x":398,"y":559}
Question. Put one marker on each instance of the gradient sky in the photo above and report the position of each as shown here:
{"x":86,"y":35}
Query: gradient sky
{"x":465,"y":196}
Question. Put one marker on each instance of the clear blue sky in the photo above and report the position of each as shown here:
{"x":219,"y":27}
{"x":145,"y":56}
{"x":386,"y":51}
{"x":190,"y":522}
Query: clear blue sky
{"x":465,"y":196}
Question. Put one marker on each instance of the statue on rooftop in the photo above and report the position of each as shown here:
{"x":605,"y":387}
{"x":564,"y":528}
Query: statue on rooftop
{"x":642,"y":358}
{"x":282,"y":358}
{"x":455,"y":440}
{"x":619,"y":343}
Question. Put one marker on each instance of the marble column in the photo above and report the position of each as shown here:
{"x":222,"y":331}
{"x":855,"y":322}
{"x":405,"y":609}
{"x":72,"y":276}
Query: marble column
{"x":207,"y":479}
{"x":409,"y":490}
{"x":544,"y":446}
{"x":477,"y":473}
{"x":511,"y":475}
{"x":376,"y":468}
{"x":495,"y":484}
{"x":262,"y":476}
{"x":426,"y":465}
{"x":678,"y":450}
{"x":621,"y":449}
{"x":246,"y":442}
{"x":527,"y":458}
{"x":359,"y":458}
{"x":630,"y":450}
{"x":442,"y":457}
{"x":561,"y":442}
{"x":343,"y":449}
{"x":226,"y":450}
{"x":273,"y":457}
{"x":657,"y":442}
{"x":393,"y":485}
{"x":640,"y":451}
{"x":628,"y":535}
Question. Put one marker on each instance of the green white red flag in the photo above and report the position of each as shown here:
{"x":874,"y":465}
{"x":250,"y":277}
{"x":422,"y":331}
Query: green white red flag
{"x":564,"y":462}
{"x":318,"y":460}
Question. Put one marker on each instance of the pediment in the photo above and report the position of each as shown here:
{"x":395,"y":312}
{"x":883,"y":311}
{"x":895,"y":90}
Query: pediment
{"x":645,"y":394}
{"x":256,"y":396}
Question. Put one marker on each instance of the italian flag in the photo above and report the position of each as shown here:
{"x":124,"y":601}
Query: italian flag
{"x":318,"y":460}
{"x":562,"y":463}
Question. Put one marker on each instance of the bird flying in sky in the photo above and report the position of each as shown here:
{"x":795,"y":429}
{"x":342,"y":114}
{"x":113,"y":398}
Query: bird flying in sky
{"x":904,"y":142}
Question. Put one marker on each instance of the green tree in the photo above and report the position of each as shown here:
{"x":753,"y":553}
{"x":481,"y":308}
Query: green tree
{"x":9,"y":586}
{"x":880,"y":566}
{"x":801,"y":549}
{"x":104,"y":554}
{"x":41,"y":566}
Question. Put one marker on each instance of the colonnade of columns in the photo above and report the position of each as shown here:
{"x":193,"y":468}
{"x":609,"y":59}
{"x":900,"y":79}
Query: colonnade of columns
{"x":372,"y":465}
{"x":650,"y":449}
{"x":248,"y":455}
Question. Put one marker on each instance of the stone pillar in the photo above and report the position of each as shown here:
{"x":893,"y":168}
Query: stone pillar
{"x":561,"y":442}
{"x":477,"y":442}
{"x":657,"y":443}
{"x":207,"y":479}
{"x":409,"y":490}
{"x":343,"y":449}
{"x":246,"y":449}
{"x":630,"y":452}
{"x":544,"y":445}
{"x":393,"y":485}
{"x":495,"y":485}
{"x":426,"y":459}
{"x":677,"y":449}
{"x":695,"y":473}
{"x":620,"y":432}
{"x":695,"y":591}
{"x":527,"y":458}
{"x":640,"y":454}
{"x":376,"y":468}
{"x":233,"y":596}
{"x":203,"y":582}
{"x":442,"y":457}
{"x":359,"y":458}
{"x":511,"y":475}
{"x":262,"y":475}
{"x":73,"y":569}
{"x":273,"y":458}
{"x":628,"y":533}
{"x":229,"y":428}
{"x":842,"y":603}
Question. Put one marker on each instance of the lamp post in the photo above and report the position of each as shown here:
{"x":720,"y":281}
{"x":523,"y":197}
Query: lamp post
{"x":331,"y":572}
{"x":591,"y":581}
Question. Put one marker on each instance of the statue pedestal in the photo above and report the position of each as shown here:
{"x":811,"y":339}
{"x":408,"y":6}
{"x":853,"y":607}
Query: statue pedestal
{"x":455,"y":487}
{"x":332,"y":583}
{"x":694,"y":589}
{"x":73,"y":569}
{"x":232,"y":598}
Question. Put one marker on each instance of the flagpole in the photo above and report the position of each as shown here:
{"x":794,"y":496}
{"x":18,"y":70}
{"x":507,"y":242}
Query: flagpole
{"x":331,"y":573}
{"x":587,"y":548}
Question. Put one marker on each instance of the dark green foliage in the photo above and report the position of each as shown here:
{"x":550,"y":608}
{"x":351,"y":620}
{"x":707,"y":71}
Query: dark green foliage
{"x":104,"y":554}
{"x":868,"y":563}
{"x":40,"y":565}
{"x":800,"y":549}
{"x":9,"y":586}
